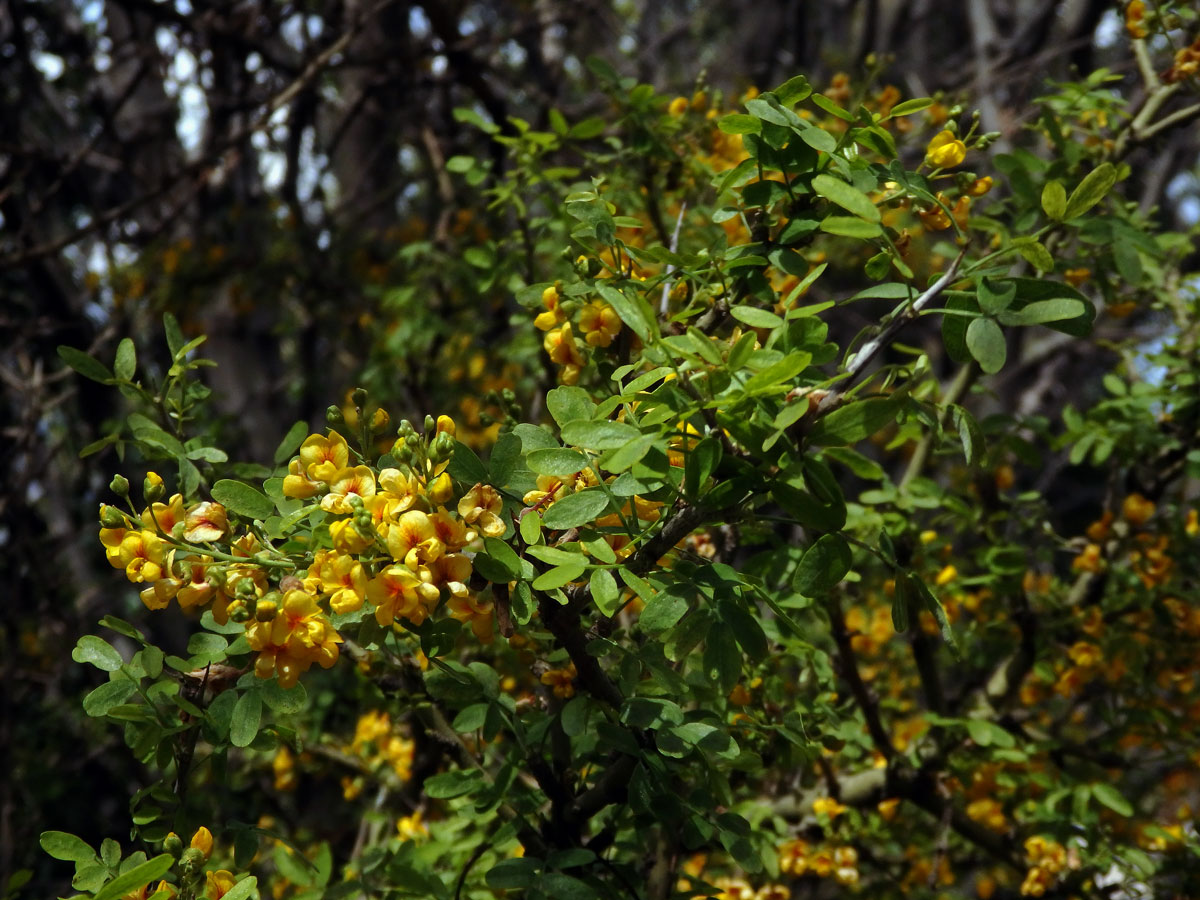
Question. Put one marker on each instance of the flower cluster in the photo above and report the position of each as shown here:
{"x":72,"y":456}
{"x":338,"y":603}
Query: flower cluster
{"x":396,"y":540}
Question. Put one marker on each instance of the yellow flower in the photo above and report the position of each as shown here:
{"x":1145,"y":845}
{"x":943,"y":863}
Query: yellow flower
{"x":947,"y":575}
{"x":343,"y":578}
{"x":141,"y":555}
{"x":564,"y":351}
{"x":163,"y":516}
{"x":295,"y":639}
{"x":1089,"y":560}
{"x":398,"y":592}
{"x":945,"y":150}
{"x":553,"y":316}
{"x":1084,"y":653}
{"x":202,"y":840}
{"x":980,"y":186}
{"x":296,"y":484}
{"x":1191,"y":527}
{"x":887,"y":808}
{"x":561,"y":681}
{"x":410,"y":828}
{"x":218,"y":884}
{"x":827,"y":806}
{"x":1136,"y":510}
{"x":480,"y":507}
{"x":284,"y":767}
{"x":1135,"y":19}
{"x":205,"y":521}
{"x":321,"y":458}
{"x":358,"y":481}
{"x":599,"y":324}
{"x":467,"y":607}
{"x":347,"y":538}
{"x":678,"y":106}
{"x":1076,"y":277}
{"x":413,"y":540}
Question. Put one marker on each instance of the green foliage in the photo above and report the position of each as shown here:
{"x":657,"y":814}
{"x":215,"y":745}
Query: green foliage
{"x":653,"y":642}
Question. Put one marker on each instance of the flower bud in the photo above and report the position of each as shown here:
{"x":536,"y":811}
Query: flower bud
{"x":111,"y":517}
{"x":119,"y":485}
{"x":239,"y":612}
{"x":380,"y":421}
{"x":430,"y":424}
{"x":202,"y":840}
{"x":359,"y":397}
{"x":244,"y":589}
{"x":443,"y":446}
{"x":446,"y":424}
{"x":191,"y":863}
{"x":173,"y":844}
{"x":153,"y":488}
{"x":442,"y":489}
{"x":334,"y":416}
{"x":266,"y":610}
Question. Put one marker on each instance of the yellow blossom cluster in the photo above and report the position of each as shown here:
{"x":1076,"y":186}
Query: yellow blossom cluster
{"x":381,"y":746}
{"x":1047,"y":859}
{"x":797,"y":857}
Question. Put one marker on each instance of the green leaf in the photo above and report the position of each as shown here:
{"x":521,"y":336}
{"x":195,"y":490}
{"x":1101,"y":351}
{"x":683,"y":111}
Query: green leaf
{"x":65,"y":846}
{"x":567,"y":403}
{"x":824,"y":564}
{"x":471,"y":718}
{"x":605,"y":592}
{"x":247,"y":716}
{"x":1054,"y":200}
{"x":1091,"y":190}
{"x":908,"y":107}
{"x":559,"y":576}
{"x":699,"y":464}
{"x":793,"y":90}
{"x":778,"y":377}
{"x":466,"y":466}
{"x":628,"y":454}
{"x":242,"y":499}
{"x":599,"y":435}
{"x":504,"y":555}
{"x":846,"y":196}
{"x":1112,"y":798}
{"x":449,"y":785}
{"x":587,"y":129}
{"x":106,"y":696}
{"x":291,"y":442}
{"x":84,"y":364}
{"x":575,"y":509}
{"x":510,"y":874}
{"x":126,"y":363}
{"x":663,"y":611}
{"x":848,"y":227}
{"x":565,"y":887}
{"x":832,"y":108}
{"x":531,"y":527}
{"x":739,"y":123}
{"x":243,"y":889}
{"x":136,"y":877}
{"x":1036,"y":254}
{"x":855,"y":421}
{"x":174,"y":333}
{"x":630,"y":311}
{"x":995,"y":295}
{"x":985,"y":340}
{"x":284,"y":701}
{"x":1033,"y":290}
{"x":989,"y":734}
{"x":969,"y":433}
{"x":559,"y":462}
{"x":755,"y":317}
{"x":97,"y":651}
{"x":819,"y":139}
{"x":1056,"y":309}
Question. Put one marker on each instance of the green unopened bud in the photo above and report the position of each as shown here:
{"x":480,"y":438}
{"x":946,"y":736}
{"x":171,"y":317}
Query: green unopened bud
{"x":153,"y":488}
{"x":359,"y":397}
{"x":402,"y":452}
{"x":406,"y":428}
{"x":119,"y":485}
{"x":443,"y":446}
{"x":173,"y":844}
{"x":244,"y":589}
{"x":508,"y":396}
{"x":191,"y":862}
{"x":354,"y":501}
{"x":266,"y":610}
{"x":334,"y":416}
{"x":955,"y":111}
{"x":239,"y":612}
{"x":111,"y":517}
{"x":430,"y":424}
{"x":413,"y":440}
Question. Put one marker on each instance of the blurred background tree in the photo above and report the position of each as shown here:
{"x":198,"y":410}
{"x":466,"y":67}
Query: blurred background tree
{"x":282,"y":178}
